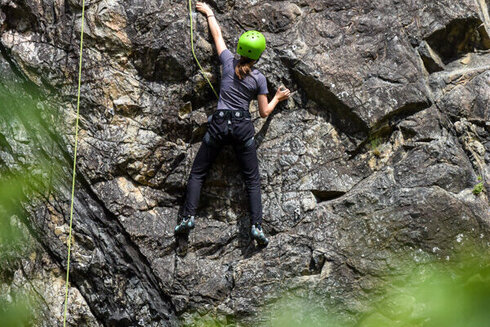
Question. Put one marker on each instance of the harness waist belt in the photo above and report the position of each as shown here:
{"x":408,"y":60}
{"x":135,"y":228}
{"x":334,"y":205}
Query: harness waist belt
{"x":227,"y":113}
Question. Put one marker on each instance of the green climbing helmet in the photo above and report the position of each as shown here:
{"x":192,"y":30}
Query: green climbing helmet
{"x":251,"y":44}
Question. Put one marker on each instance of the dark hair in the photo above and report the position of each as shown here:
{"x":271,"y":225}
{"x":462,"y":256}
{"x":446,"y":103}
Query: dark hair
{"x":244,"y":66}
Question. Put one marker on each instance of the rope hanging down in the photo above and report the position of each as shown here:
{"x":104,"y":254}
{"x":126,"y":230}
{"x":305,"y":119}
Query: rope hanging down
{"x":74,"y":168}
{"x":76,"y":143}
{"x":194,"y":54}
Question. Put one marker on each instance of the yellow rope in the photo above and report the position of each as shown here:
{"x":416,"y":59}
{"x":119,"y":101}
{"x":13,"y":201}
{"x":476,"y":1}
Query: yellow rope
{"x":76,"y":143}
{"x":194,"y":54}
{"x":74,"y":168}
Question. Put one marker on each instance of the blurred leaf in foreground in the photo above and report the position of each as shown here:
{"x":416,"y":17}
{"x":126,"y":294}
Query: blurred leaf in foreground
{"x":26,"y":171}
{"x":444,"y":293}
{"x":452,"y":293}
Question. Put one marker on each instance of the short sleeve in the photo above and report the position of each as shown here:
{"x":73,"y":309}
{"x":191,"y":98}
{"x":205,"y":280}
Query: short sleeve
{"x":262,"y":85}
{"x":226,"y":57}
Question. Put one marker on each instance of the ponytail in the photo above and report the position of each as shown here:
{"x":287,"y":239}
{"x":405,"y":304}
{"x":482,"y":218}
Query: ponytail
{"x":244,"y":67}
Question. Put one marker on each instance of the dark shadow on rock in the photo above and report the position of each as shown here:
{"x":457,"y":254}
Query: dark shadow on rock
{"x":158,"y":65}
{"x":119,"y":319}
{"x":459,"y":37}
{"x":252,"y":249}
{"x":19,"y":17}
{"x":341,"y":115}
{"x":181,"y":244}
{"x":244,"y":239}
{"x":432,"y":61}
{"x":386,"y":124}
{"x":324,"y":195}
{"x":181,"y":240}
{"x":260,"y":135}
{"x":385,"y":127}
{"x":246,"y":244}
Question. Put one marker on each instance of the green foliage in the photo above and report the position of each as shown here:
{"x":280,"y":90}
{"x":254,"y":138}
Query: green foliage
{"x":26,"y":171}
{"x":478,"y":187}
{"x":293,"y":310}
{"x":374,"y":144}
{"x":16,"y":312}
{"x":445,"y":294}
{"x":206,"y":320}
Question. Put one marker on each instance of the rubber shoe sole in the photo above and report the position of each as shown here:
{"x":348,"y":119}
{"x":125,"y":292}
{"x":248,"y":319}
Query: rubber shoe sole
{"x":259,"y":236}
{"x":185,"y":226}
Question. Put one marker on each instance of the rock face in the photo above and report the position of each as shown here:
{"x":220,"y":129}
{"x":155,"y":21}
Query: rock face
{"x":375,"y":154}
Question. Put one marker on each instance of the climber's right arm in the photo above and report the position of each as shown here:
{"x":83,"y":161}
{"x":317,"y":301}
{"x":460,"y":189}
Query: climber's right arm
{"x":266,"y":107}
{"x":213,"y":26}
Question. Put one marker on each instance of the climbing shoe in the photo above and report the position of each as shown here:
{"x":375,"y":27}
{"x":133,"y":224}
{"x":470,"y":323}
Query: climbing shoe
{"x":185,"y":225}
{"x":258,"y":235}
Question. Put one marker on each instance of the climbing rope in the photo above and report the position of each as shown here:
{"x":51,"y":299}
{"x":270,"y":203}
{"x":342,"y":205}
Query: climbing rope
{"x":74,"y":168}
{"x":76,"y":142}
{"x":194,"y":53}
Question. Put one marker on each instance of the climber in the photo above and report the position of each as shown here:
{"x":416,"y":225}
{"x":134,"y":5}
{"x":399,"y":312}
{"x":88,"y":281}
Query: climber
{"x":231,"y":122}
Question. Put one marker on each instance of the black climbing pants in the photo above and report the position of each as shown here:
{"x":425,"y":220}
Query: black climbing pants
{"x":227,"y":127}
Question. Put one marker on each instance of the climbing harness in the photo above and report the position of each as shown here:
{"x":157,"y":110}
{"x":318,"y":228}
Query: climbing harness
{"x":74,"y":167}
{"x":194,"y":53}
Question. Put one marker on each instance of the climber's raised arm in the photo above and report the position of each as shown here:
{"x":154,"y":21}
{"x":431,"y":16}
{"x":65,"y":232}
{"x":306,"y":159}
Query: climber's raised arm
{"x":213,"y":26}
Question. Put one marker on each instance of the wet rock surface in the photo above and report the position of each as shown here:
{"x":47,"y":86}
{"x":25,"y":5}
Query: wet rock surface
{"x":374,"y":156}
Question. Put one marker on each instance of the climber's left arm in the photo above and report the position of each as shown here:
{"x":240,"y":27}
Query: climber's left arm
{"x":213,"y":26}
